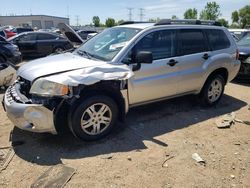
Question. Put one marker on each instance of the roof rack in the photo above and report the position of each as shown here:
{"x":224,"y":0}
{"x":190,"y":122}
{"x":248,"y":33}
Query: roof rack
{"x":133,"y":22}
{"x":188,"y":21}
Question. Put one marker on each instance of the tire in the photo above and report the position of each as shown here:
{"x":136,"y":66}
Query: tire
{"x":58,"y":50}
{"x":212,"y":90}
{"x":94,"y":118}
{"x":2,"y":60}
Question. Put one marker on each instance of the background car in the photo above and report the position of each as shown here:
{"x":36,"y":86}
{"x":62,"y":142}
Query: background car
{"x":9,"y":33}
{"x":244,"y":57}
{"x":19,"y":30}
{"x":9,"y":55}
{"x":9,"y":52}
{"x":39,"y":44}
{"x":84,"y":33}
{"x":2,"y":33}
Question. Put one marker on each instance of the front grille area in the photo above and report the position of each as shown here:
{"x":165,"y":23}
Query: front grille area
{"x":25,"y":86}
{"x":12,"y":96}
{"x":19,"y":92}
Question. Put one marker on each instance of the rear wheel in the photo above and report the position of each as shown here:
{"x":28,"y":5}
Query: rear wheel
{"x":58,"y":50}
{"x":212,"y":90}
{"x":2,"y":60}
{"x":94,"y":118}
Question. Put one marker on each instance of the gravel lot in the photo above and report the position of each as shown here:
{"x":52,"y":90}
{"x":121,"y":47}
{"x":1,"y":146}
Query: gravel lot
{"x":133,"y":155}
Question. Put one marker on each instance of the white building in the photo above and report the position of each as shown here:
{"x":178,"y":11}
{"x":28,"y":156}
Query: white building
{"x":38,"y":21}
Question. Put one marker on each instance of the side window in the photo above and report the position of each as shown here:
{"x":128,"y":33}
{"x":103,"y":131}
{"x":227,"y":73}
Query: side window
{"x":217,"y":39}
{"x":28,"y":37}
{"x":160,"y":43}
{"x":191,"y":41}
{"x":45,"y":36}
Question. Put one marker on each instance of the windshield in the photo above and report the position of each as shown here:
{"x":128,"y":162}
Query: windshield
{"x":245,"y":41}
{"x":107,"y":44}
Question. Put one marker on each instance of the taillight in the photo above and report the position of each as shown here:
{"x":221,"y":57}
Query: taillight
{"x":237,"y":54}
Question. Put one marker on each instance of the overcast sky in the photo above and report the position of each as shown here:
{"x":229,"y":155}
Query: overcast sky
{"x":86,"y":9}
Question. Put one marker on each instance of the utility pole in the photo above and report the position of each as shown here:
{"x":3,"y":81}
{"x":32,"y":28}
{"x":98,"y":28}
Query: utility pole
{"x":77,"y":20}
{"x":130,"y":15}
{"x":141,"y":14}
{"x":67,"y":11}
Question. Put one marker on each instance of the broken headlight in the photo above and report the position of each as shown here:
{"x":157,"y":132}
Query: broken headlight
{"x":47,"y":88}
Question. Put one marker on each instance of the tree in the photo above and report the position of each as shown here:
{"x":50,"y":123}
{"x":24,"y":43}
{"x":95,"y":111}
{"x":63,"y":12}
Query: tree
{"x":119,"y":22}
{"x":155,"y":20}
{"x":190,"y":14}
{"x":244,"y":14}
{"x":223,"y":22}
{"x":210,"y":12}
{"x":174,"y":17}
{"x":235,"y":16}
{"x":96,"y":21}
{"x":110,"y":22}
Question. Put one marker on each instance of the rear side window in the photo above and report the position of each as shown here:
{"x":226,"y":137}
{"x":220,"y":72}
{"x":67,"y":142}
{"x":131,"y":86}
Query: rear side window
{"x":191,"y":41}
{"x":45,"y":36}
{"x":28,"y":37}
{"x":217,"y":39}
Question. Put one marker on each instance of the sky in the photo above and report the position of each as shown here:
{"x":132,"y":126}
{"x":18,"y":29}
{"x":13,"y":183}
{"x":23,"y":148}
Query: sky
{"x":86,"y":9}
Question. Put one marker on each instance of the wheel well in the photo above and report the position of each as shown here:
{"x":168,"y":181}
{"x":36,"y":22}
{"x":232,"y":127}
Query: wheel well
{"x":58,"y":46}
{"x":110,"y":89}
{"x":221,"y":71}
{"x":66,"y":108}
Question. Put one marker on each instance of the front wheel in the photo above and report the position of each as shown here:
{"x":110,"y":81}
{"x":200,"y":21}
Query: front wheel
{"x":94,"y":118}
{"x":212,"y":90}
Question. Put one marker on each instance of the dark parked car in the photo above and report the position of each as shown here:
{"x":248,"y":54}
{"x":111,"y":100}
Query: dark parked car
{"x":39,"y":44}
{"x":2,"y":33}
{"x":19,"y":30}
{"x":9,"y":52}
{"x":84,"y":34}
{"x":244,"y":56}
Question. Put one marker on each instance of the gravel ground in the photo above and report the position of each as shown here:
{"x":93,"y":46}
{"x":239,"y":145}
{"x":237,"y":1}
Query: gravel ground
{"x":133,"y":155}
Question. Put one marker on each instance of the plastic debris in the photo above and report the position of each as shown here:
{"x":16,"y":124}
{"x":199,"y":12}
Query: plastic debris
{"x":198,"y":159}
{"x":108,"y":156}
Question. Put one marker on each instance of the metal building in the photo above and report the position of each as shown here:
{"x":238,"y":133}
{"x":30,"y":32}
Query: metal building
{"x":38,"y":21}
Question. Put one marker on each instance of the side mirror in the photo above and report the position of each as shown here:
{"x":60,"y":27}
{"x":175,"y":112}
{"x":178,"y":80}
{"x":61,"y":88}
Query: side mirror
{"x":142,"y":57}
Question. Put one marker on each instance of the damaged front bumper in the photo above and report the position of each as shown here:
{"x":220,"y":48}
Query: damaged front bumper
{"x":30,"y":117}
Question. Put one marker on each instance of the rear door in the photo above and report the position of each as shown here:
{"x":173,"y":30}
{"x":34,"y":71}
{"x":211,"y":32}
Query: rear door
{"x":193,"y":52}
{"x":27,"y":44}
{"x":46,"y":43}
{"x":157,"y":80}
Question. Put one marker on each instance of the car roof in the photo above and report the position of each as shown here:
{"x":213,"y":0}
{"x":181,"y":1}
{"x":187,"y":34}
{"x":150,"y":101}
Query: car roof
{"x":138,"y":25}
{"x":152,"y":25}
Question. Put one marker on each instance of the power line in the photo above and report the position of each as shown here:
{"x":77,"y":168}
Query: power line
{"x":130,"y":14}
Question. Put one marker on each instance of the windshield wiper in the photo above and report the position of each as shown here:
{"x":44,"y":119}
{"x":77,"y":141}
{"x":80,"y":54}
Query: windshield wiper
{"x":86,"y":54}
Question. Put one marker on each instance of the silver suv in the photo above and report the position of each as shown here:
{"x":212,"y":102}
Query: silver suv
{"x":133,"y":64}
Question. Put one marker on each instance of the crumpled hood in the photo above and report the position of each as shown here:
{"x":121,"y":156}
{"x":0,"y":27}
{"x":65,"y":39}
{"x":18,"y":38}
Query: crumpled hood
{"x":55,"y":64}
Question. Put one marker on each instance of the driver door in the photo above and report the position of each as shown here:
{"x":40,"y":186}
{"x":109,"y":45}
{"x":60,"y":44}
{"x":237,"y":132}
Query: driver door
{"x":159,"y":79}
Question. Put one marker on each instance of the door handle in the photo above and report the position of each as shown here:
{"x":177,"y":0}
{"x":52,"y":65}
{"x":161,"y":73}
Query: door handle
{"x":205,"y":56}
{"x":172,"y":62}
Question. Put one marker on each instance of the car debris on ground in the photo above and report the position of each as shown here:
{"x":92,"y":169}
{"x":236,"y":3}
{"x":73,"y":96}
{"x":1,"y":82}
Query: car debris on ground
{"x":6,"y":155}
{"x":228,"y":120}
{"x":56,"y":176}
